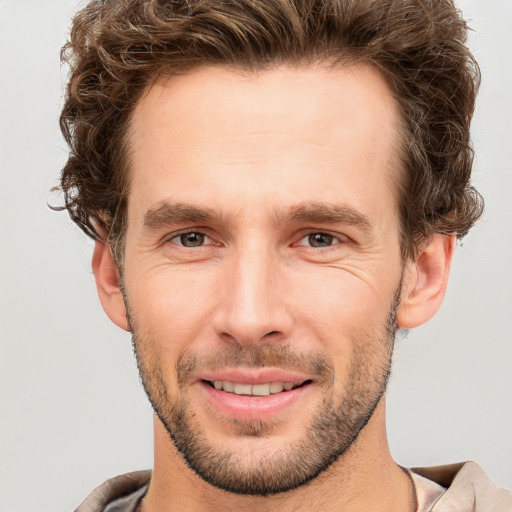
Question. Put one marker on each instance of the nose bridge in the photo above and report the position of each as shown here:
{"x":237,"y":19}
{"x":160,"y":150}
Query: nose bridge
{"x":251,"y":303}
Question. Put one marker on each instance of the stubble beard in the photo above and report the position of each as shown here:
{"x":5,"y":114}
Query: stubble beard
{"x":332,"y":431}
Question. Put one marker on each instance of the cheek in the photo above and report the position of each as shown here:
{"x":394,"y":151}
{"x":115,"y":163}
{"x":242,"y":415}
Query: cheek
{"x":346,"y":316}
{"x":338,"y":300}
{"x":171,"y":309}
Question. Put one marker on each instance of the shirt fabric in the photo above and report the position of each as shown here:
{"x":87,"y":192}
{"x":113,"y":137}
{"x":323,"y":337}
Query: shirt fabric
{"x":427,"y":492}
{"x":462,"y":487}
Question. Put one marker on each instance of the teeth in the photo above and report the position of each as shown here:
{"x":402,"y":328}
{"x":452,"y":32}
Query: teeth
{"x":276,"y":387}
{"x":260,"y":389}
{"x":242,"y":389}
{"x":255,"y":389}
{"x":228,"y":386}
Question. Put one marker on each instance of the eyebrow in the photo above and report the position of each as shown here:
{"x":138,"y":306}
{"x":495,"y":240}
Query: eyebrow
{"x":326,"y":213}
{"x":166,"y":213}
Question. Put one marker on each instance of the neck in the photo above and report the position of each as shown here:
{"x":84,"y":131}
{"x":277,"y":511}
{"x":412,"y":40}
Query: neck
{"x":364,"y":478}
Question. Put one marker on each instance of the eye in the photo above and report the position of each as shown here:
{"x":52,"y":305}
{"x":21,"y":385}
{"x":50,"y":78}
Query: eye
{"x":191,"y":239}
{"x":319,"y":240}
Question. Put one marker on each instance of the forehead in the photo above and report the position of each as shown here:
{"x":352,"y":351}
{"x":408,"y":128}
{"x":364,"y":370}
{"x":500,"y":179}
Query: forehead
{"x":281,"y":133}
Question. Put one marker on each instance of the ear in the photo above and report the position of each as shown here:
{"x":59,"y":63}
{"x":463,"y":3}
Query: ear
{"x":106,"y":274}
{"x":425,"y":280}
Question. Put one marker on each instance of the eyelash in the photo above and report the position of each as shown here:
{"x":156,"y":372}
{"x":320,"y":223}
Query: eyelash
{"x":335,"y":239}
{"x":178,"y":236}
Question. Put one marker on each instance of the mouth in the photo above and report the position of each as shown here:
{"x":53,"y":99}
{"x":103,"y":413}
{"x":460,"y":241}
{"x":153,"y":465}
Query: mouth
{"x":261,"y":389}
{"x":256,"y":395}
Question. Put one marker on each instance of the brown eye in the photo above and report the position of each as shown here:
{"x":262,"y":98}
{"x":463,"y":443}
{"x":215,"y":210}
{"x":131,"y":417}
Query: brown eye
{"x":191,"y":239}
{"x":321,"y":240}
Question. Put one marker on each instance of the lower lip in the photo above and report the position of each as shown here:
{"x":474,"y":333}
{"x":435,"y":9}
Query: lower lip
{"x":253,"y":407}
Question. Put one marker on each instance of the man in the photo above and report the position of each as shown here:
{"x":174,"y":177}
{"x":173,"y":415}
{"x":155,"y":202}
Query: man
{"x":275,"y":188}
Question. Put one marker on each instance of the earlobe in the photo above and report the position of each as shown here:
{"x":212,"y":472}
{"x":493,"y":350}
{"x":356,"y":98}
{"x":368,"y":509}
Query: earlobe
{"x":106,"y":274}
{"x":425,"y":281}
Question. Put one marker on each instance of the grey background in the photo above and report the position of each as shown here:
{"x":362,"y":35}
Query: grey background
{"x":72,"y":412}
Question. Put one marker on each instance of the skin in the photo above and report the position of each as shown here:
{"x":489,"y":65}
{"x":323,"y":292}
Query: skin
{"x":256,"y":149}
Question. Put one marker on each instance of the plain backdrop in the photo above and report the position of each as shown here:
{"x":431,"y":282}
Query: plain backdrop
{"x":72,"y":411}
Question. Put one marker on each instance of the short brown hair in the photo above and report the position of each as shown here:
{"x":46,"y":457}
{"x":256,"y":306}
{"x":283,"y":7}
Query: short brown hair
{"x":118,"y":47}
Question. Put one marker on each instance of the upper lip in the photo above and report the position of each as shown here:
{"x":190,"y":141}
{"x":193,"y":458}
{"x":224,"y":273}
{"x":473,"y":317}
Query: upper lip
{"x":254,"y":376}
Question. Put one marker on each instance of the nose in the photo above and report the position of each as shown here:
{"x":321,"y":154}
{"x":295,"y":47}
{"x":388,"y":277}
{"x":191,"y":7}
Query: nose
{"x":252,"y":303}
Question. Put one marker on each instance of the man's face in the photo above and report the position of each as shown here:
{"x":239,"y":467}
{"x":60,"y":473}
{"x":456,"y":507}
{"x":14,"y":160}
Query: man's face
{"x":262,"y":254}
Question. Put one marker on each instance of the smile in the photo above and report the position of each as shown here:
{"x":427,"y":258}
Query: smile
{"x":262,"y":399}
{"x":263,"y":389}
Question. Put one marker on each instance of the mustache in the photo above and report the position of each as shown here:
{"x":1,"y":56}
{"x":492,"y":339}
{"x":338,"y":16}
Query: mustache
{"x":260,"y":356}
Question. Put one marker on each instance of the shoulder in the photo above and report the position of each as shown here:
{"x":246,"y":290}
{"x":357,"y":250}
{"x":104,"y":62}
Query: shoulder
{"x":468,"y":489}
{"x":119,"y":494}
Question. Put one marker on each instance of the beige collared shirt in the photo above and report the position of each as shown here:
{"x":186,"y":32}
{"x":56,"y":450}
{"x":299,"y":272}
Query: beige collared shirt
{"x":462,"y":487}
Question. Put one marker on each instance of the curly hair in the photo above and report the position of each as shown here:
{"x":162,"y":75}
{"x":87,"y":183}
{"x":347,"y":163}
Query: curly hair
{"x":117,"y":48}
